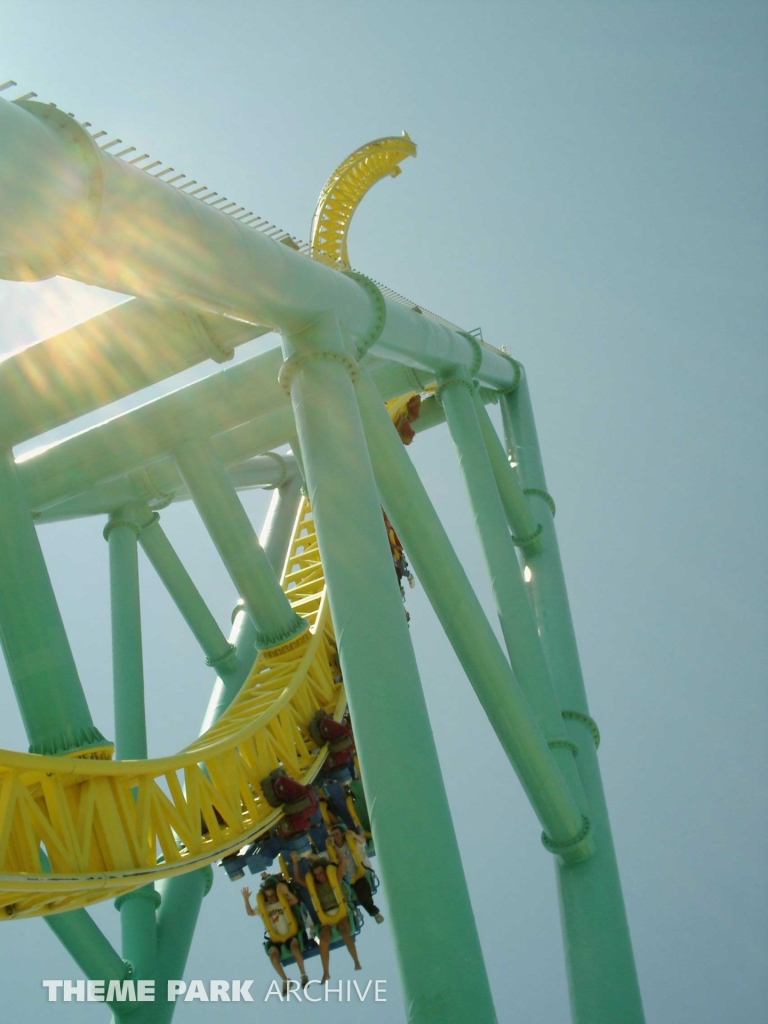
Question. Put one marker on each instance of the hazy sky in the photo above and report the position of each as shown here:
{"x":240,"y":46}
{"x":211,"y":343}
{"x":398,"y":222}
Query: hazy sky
{"x":590,"y":189}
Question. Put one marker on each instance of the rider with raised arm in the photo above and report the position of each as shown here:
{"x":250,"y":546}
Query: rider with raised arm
{"x":281,"y":922}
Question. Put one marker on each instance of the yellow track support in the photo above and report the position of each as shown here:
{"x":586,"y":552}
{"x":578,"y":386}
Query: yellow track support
{"x":107,"y":827}
{"x":346,"y":187}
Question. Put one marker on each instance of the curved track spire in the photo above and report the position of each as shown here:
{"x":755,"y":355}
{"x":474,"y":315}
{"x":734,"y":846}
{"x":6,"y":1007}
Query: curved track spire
{"x":346,"y":187}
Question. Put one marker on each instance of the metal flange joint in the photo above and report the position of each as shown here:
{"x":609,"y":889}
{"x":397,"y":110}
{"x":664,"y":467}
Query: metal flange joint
{"x":572,"y":851}
{"x":295,"y":362}
{"x":379,"y":311}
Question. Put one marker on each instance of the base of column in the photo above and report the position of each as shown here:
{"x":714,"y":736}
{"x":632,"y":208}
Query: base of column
{"x":87,"y":742}
{"x":277,"y":639}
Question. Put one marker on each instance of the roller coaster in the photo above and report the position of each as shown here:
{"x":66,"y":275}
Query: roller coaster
{"x":317,"y":716}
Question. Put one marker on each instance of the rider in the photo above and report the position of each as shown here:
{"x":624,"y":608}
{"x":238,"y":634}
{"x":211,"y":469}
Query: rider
{"x":281,"y":923}
{"x":402,"y":570}
{"x":329,"y":903}
{"x":340,"y":836}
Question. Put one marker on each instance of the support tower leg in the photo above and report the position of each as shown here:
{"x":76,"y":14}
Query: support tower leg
{"x":40,"y":663}
{"x":137,"y":909}
{"x":601,"y":969}
{"x":436,"y":940}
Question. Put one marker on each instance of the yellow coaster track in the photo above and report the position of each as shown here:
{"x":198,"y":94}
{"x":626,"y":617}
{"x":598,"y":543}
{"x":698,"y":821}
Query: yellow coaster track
{"x":107,"y":827}
{"x":346,"y":187}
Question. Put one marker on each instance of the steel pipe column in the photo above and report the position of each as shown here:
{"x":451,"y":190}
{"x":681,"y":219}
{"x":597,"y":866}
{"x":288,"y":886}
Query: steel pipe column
{"x":183,"y":894}
{"x":517,"y":621}
{"x":138,"y":929}
{"x":88,"y":946}
{"x":121,"y":533}
{"x":40,"y":663}
{"x":436,"y":942}
{"x":441,"y":574}
{"x":231,"y":531}
{"x":525,"y":530}
{"x":137,"y":909}
{"x":176,"y":922}
{"x":275,"y":538}
{"x":219,"y":653}
{"x":277,"y":531}
{"x":602,"y":976}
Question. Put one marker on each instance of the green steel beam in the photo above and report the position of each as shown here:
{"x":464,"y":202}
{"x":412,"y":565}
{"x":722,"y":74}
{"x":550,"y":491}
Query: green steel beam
{"x":86,"y":943}
{"x":242,"y":409}
{"x":106,"y":358}
{"x":275,"y":540}
{"x":444,"y":581}
{"x":121,"y":533}
{"x":183,"y":894}
{"x":602,"y":977}
{"x":524,"y":527}
{"x":432,"y":414}
{"x":137,"y":909}
{"x":194,"y":413}
{"x":219,"y":653}
{"x":138,"y":929}
{"x":160,"y":483}
{"x":177,"y":917}
{"x":436,"y":942}
{"x":278,"y":526}
{"x":231,"y":531}
{"x":88,"y":946}
{"x":518,"y":624}
{"x":40,"y":662}
{"x":50,"y":174}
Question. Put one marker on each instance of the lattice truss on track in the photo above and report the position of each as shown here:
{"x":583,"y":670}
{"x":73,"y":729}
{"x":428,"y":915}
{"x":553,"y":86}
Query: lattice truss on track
{"x":345,"y":189}
{"x":108,"y":827}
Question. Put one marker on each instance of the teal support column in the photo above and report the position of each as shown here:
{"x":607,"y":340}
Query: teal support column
{"x":230,"y":529}
{"x":441,"y":574}
{"x":431,"y":412}
{"x":182,"y":897}
{"x":518,"y":624}
{"x":275,"y":537}
{"x":121,"y":533}
{"x":435,"y":936}
{"x":219,"y":653}
{"x":525,"y":530}
{"x":183,"y":894}
{"x":137,"y":909}
{"x":40,"y":662}
{"x":602,"y":976}
{"x":176,"y":921}
{"x":296,"y":450}
{"x":138,"y":929}
{"x":278,"y":526}
{"x":88,"y":945}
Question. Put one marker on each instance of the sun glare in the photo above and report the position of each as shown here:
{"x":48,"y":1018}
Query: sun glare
{"x":33,"y":311}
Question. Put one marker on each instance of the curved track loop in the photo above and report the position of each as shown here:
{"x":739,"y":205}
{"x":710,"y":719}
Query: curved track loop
{"x":346,"y":187}
{"x":107,"y":827}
